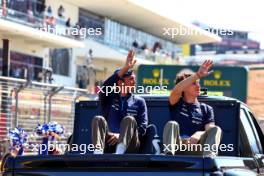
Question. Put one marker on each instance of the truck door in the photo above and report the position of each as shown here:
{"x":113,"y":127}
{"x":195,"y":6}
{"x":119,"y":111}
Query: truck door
{"x":260,"y":141}
{"x":252,"y":145}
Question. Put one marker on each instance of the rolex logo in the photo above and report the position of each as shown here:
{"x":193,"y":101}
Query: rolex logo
{"x":156,"y":73}
{"x":217,"y":74}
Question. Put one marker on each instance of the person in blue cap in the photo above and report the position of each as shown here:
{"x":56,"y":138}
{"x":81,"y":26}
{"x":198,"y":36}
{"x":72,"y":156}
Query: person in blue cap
{"x":124,"y":115}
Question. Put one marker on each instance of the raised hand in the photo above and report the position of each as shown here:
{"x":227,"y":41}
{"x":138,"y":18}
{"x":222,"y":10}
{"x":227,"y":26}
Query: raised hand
{"x":130,"y":61}
{"x":204,"y":68}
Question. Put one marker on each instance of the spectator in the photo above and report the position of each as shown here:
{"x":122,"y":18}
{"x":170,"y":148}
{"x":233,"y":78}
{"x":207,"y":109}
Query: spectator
{"x":145,"y":49}
{"x":157,"y":47}
{"x":135,"y":44}
{"x":49,"y":12}
{"x":144,"y":46}
{"x":52,"y":21}
{"x":173,"y":55}
{"x":68,"y":23}
{"x":77,"y":28}
{"x":61,"y":11}
{"x":4,"y":8}
{"x":30,"y":14}
{"x":68,"y":26}
{"x":48,"y":15}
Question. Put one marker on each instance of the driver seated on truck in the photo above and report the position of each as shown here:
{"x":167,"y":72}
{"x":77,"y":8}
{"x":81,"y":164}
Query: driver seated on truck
{"x":192,"y":123}
{"x":124,"y":121}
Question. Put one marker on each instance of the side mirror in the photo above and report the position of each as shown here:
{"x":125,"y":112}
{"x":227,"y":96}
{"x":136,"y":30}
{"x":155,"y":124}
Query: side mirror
{"x":260,"y":159}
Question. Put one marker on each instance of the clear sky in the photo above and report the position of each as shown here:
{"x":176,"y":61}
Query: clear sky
{"x":231,"y":14}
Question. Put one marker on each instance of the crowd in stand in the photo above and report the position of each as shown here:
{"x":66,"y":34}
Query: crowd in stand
{"x":43,"y":16}
{"x":154,"y":52}
{"x":62,"y":20}
{"x":49,"y":18}
{"x":36,"y":12}
{"x":23,"y":8}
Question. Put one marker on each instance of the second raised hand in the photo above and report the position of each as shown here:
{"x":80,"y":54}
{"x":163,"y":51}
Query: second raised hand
{"x":204,"y":68}
{"x":131,"y":61}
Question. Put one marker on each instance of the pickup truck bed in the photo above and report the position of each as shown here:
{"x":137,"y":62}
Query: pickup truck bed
{"x":226,"y":116}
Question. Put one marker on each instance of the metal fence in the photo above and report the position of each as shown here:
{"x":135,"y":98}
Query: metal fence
{"x":25,"y":104}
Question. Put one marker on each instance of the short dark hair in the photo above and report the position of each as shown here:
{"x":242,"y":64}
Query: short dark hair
{"x":182,"y":77}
